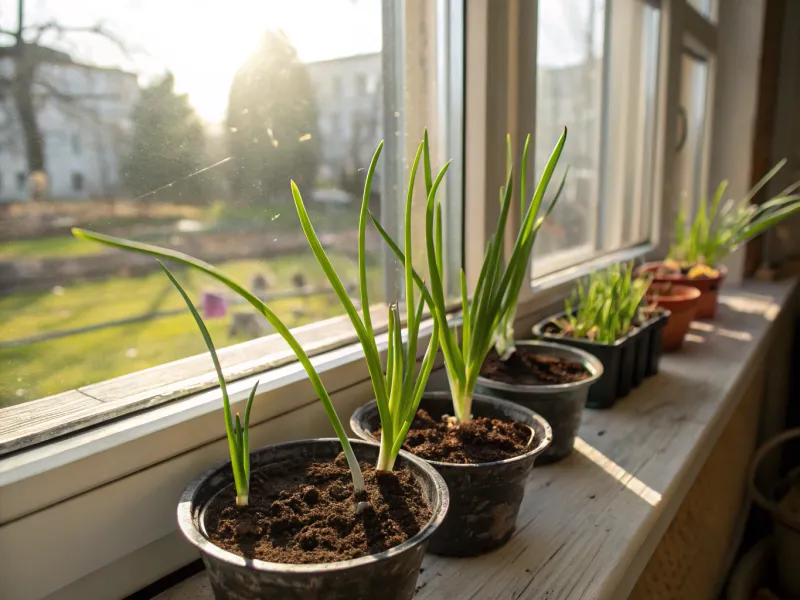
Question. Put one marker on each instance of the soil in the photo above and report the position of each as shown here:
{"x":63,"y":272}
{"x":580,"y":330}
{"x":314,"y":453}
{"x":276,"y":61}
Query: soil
{"x":302,"y":513}
{"x":526,"y":367}
{"x":481,"y":440}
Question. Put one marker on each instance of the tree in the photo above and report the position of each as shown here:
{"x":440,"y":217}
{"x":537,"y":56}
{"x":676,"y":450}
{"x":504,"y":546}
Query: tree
{"x":272,"y":123}
{"x":168,"y":144}
{"x":24,"y":83}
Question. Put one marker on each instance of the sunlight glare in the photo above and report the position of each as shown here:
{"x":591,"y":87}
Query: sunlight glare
{"x":630,"y":482}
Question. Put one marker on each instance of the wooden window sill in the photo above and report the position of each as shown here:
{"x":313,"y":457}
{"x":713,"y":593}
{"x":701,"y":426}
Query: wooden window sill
{"x":590,"y":524}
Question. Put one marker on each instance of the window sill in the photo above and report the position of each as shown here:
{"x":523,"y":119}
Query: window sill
{"x":589,"y":524}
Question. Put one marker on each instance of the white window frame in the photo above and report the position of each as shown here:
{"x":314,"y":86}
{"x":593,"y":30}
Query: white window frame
{"x":125,"y":476}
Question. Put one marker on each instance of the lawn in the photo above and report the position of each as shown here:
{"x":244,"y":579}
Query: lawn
{"x":40,"y":369}
{"x":52,"y":247}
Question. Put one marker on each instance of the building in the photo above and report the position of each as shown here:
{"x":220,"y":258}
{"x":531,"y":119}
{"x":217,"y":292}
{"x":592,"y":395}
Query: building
{"x":83,"y":114}
{"x":350,"y":112}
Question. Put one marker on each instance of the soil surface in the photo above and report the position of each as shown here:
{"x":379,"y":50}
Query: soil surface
{"x":527,"y":367}
{"x":305,"y":513}
{"x":479,"y":441}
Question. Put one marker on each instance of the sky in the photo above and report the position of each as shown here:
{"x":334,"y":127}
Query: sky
{"x":203,"y":42}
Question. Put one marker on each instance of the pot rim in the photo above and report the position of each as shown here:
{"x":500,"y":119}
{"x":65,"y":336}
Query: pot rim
{"x":588,"y":360}
{"x":544,"y":442}
{"x":686,"y":293}
{"x":653,"y":266}
{"x":206,"y":546}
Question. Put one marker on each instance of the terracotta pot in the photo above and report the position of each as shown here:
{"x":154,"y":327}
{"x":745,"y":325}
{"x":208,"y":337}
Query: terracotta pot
{"x":682,"y":302}
{"x":708,"y":286}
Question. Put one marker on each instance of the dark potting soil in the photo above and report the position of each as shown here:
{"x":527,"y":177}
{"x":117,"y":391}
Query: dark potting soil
{"x":527,"y":367}
{"x":305,"y":513}
{"x":479,"y":441}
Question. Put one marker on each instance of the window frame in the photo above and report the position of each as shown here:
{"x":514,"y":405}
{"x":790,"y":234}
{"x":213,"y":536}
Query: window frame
{"x":47,"y":489}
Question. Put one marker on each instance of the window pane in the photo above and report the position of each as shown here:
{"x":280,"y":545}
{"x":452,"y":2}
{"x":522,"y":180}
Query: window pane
{"x":181,"y":123}
{"x":598,"y":75}
{"x":692,"y":132}
{"x":569,"y":92}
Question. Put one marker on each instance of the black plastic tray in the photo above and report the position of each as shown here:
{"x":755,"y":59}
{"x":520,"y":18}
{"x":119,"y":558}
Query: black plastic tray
{"x":626,"y":362}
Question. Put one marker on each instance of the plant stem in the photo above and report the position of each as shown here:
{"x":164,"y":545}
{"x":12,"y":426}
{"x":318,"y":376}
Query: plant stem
{"x":386,"y":457}
{"x":242,"y":500}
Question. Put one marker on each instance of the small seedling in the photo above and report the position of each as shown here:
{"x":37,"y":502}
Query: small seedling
{"x":604,"y":307}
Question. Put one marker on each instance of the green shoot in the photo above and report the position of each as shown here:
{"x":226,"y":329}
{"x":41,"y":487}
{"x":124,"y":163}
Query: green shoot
{"x":504,"y":332}
{"x":399,"y":390}
{"x":603,"y":308}
{"x":719,"y":229}
{"x":492,"y":297}
{"x":272,"y":318}
{"x":238,"y":433}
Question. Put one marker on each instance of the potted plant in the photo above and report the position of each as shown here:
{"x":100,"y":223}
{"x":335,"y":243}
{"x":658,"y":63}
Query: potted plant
{"x":681,"y":301}
{"x":484,"y":447}
{"x":606,"y":317}
{"x":552,"y":380}
{"x":310,"y":523}
{"x":695,"y":259}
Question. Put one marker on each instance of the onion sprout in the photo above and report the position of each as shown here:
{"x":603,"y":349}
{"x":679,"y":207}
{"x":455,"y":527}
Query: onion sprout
{"x":496,"y":289}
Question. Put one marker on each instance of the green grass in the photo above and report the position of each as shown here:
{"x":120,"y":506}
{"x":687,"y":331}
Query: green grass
{"x":54,"y":247}
{"x":40,"y":369}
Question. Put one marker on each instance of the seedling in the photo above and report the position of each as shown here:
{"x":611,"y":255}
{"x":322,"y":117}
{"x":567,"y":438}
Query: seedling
{"x":718,"y":230}
{"x":496,"y":289}
{"x":397,"y":390}
{"x":239,"y":432}
{"x":504,"y":333}
{"x":603,"y":308}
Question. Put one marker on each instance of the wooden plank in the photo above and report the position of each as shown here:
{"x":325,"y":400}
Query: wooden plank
{"x":39,"y":420}
{"x":93,"y":404}
{"x":589,"y":524}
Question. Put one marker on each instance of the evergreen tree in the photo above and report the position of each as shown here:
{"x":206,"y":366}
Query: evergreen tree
{"x":168,"y":144}
{"x":271,"y":125}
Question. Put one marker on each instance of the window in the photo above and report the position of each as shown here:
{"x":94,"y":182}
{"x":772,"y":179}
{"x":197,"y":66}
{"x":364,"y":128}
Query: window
{"x":361,"y":84}
{"x":75,"y":141}
{"x":200,"y":160}
{"x":21,"y":179}
{"x":596,"y":74}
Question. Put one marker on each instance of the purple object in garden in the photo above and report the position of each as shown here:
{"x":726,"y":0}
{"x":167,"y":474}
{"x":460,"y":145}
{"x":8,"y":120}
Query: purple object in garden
{"x":214,"y":305}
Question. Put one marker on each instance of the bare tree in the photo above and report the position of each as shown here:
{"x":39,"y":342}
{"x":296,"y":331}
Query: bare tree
{"x":25,"y":84}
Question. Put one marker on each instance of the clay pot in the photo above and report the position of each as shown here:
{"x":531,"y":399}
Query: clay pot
{"x":708,"y":286}
{"x":682,"y":302}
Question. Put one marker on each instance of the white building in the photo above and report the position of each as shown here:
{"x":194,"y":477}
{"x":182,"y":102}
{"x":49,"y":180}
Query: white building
{"x":83,"y":114}
{"x":350,"y":112}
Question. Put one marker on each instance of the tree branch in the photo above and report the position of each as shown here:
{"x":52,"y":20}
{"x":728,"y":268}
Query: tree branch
{"x":98,"y":29}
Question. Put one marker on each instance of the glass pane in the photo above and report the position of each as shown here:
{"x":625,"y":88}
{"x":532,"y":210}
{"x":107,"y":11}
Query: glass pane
{"x":569,"y":87}
{"x":692,"y":131}
{"x":628,"y":191}
{"x":705,"y":7}
{"x":597,"y":74}
{"x":181,"y":123}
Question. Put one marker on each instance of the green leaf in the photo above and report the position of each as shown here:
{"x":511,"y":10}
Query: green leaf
{"x":239,"y":476}
{"x":277,"y":324}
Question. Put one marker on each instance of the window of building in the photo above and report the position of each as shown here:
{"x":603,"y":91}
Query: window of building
{"x":77,"y":182}
{"x":75,"y":141}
